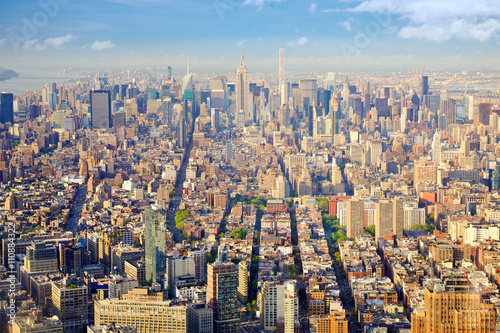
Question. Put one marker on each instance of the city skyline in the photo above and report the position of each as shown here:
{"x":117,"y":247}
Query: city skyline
{"x":317,"y":35}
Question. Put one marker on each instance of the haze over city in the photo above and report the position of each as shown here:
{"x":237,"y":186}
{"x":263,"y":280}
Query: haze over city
{"x":250,"y":166}
{"x":319,"y":35}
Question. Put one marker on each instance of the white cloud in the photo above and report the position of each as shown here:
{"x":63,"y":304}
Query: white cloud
{"x":441,"y":20}
{"x":101,"y":45}
{"x":33,"y":45}
{"x":241,"y":43}
{"x":312,"y":8}
{"x":259,"y":3}
{"x":59,"y":42}
{"x":299,"y":42}
{"x":51,"y":42}
{"x":346,"y":25}
{"x":330,"y":10}
{"x":2,"y":41}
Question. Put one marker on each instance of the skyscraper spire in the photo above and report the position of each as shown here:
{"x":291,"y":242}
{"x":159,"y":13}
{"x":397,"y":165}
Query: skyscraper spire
{"x":242,"y":58}
{"x":188,"y":67}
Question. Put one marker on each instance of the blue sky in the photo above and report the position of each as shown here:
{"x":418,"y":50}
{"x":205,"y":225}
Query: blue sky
{"x":317,"y":35}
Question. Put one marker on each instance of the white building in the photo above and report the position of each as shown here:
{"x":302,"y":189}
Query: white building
{"x":477,"y":233}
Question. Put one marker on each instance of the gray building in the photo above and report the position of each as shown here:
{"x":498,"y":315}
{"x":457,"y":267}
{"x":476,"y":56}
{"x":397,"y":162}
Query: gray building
{"x":100,"y":102}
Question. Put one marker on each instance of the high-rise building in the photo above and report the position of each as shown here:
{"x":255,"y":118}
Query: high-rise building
{"x":389,"y":217}
{"x":222,"y":296}
{"x":177,"y":267}
{"x":200,"y":318}
{"x":243,"y":282}
{"x":215,"y":118}
{"x":156,"y":243}
{"x":282,"y":66}
{"x":451,"y":306}
{"x":35,"y":323}
{"x":100,"y":103}
{"x":424,"y":172}
{"x":69,"y":302}
{"x":272,"y":305}
{"x":308,"y":92}
{"x":425,"y":85}
{"x":333,"y":324}
{"x":355,"y":218}
{"x":448,"y":108}
{"x":144,"y":310}
{"x":242,"y":109}
{"x":484,"y":113}
{"x":7,"y":108}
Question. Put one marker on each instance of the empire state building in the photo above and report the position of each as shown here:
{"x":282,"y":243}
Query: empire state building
{"x":243,"y":101}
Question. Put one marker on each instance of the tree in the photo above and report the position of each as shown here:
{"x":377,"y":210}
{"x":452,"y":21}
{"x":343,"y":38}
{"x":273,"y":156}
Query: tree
{"x":371,"y":230}
{"x":323,"y":204}
{"x":239,"y":233}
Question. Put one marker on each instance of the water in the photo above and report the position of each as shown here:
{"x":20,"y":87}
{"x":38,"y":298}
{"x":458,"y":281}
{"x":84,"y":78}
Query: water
{"x":35,"y":80}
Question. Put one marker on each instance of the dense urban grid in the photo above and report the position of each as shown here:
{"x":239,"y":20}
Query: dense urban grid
{"x":252,"y":202}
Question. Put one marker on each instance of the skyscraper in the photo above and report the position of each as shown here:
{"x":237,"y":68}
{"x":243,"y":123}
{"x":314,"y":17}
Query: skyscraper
{"x":452,"y":306}
{"x":484,"y":113}
{"x":7,"y":108}
{"x":282,"y":66}
{"x":222,"y":295}
{"x":308,"y":92}
{"x":448,"y":108}
{"x":425,"y":85}
{"x":100,"y":103}
{"x":355,"y":218}
{"x":242,"y":110}
{"x":156,"y":243}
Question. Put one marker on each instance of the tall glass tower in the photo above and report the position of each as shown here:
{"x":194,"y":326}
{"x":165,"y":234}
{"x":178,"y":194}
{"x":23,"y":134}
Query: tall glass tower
{"x":156,"y":243}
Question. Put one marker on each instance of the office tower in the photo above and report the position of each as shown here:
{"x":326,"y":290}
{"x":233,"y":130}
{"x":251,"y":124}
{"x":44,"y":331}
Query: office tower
{"x":484,"y":113}
{"x":333,"y":324}
{"x":229,"y":151}
{"x":291,"y":308}
{"x":144,"y":310}
{"x":424,"y":172}
{"x":308,"y":92}
{"x":345,"y":92}
{"x":282,"y":189}
{"x":330,"y":81}
{"x":375,"y":151}
{"x":282,"y":66}
{"x":200,"y":318}
{"x":137,"y":270}
{"x":222,"y":296}
{"x":284,"y":92}
{"x":177,"y":267}
{"x":324,"y":97}
{"x":119,"y":285}
{"x":156,"y":243}
{"x":382,"y":106}
{"x":121,"y":253}
{"x":100,"y":102}
{"x":169,"y":72}
{"x":425,"y":85}
{"x":107,"y":240}
{"x":355,"y":218}
{"x":242,"y":108}
{"x":69,"y":302}
{"x":337,"y":181}
{"x":215,"y":118}
{"x":448,"y":108}
{"x":452,"y":306}
{"x":71,"y":258}
{"x":7,"y":108}
{"x":243,"y":282}
{"x":40,"y":257}
{"x":469,"y":107}
{"x":200,"y":269}
{"x":271,"y":305}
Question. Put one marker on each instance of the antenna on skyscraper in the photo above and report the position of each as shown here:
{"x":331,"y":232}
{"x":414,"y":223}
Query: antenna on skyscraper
{"x":188,"y":67}
{"x":242,"y":58}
